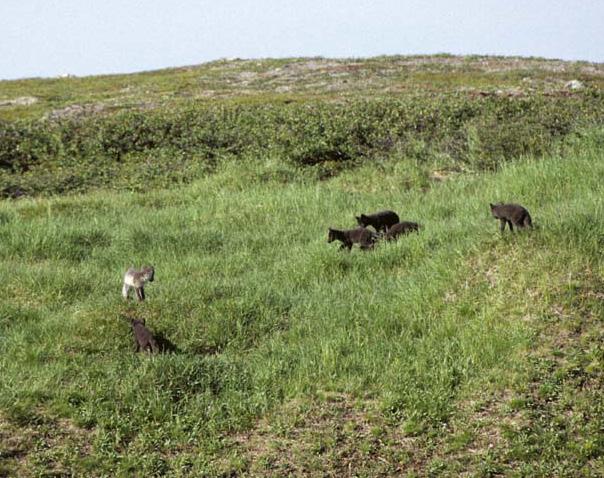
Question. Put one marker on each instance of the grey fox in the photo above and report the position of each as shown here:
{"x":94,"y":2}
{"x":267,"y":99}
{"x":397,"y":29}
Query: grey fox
{"x":137,"y":278}
{"x":511,"y":214}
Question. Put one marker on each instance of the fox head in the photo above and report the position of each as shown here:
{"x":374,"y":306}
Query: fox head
{"x":362,"y":220}
{"x":331,"y":235}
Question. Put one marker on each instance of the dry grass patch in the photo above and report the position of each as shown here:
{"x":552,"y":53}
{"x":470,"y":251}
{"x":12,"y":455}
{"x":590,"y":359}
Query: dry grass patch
{"x":42,"y":447}
{"x":335,"y":435}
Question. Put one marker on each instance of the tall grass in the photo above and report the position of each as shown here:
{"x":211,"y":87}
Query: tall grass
{"x":263,"y":311}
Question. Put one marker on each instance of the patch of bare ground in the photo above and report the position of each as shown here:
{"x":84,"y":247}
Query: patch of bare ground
{"x":341,"y":437}
{"x":297,"y":74}
{"x":476,"y":434}
{"x":344,"y":75}
{"x":41,"y":447}
{"x":21,"y":101}
{"x":76,"y":111}
{"x":550,"y":420}
{"x":337,"y":436}
{"x":491,"y":64}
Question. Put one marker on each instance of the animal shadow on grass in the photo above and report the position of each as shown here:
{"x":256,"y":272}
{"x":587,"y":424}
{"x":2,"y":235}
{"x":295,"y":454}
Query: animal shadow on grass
{"x":207,"y":350}
{"x":165,"y":345}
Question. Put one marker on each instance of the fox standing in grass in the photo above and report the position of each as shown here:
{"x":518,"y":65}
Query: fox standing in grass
{"x":137,"y":278}
{"x":381,"y":220}
{"x":364,"y":237}
{"x":143,"y":338}
{"x":401,"y":228}
{"x":511,"y":214}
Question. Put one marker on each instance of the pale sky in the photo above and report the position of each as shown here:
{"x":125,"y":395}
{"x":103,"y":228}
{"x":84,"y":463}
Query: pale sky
{"x":86,"y":37}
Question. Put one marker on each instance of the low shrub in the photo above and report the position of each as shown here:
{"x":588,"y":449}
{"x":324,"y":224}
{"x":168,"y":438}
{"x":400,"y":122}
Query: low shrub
{"x":130,"y":150}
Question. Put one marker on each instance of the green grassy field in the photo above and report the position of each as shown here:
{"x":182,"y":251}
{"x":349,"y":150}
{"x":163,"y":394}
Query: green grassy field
{"x":271,"y":322}
{"x":454,"y":351}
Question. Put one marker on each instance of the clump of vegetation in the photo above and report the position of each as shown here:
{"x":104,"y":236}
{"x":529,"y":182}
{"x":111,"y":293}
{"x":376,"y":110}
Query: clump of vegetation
{"x":138,"y":150}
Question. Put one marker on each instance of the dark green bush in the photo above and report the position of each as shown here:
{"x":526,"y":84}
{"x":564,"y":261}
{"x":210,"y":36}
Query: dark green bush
{"x":24,"y":144}
{"x":129,"y":148}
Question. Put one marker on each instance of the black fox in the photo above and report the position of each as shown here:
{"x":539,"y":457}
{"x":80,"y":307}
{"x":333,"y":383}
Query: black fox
{"x":401,"y":228}
{"x":381,"y":221}
{"x":511,"y":214}
{"x":364,"y":237}
{"x":143,"y":338}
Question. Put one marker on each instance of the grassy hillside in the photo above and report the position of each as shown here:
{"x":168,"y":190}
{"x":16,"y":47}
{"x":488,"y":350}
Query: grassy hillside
{"x":459,"y":113}
{"x":387,"y":348}
{"x":291,"y":79}
{"x":455,"y":350}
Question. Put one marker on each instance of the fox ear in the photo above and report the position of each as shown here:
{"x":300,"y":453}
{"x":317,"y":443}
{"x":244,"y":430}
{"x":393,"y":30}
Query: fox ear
{"x":492,"y":205}
{"x":330,"y":229}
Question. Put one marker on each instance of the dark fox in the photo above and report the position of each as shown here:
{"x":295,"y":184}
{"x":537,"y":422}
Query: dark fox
{"x":143,"y":338}
{"x":401,"y":228}
{"x":511,"y":214}
{"x":364,"y":237}
{"x":381,"y":221}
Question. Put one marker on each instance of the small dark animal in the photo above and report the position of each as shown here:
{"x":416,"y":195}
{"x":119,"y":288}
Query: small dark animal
{"x":511,"y":214}
{"x":143,"y":338}
{"x":401,"y":228}
{"x":364,"y":237}
{"x":137,"y":278}
{"x":381,"y":221}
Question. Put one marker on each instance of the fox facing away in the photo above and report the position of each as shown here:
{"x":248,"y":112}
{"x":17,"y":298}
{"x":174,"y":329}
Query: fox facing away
{"x":512,"y":215}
